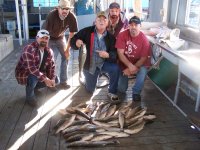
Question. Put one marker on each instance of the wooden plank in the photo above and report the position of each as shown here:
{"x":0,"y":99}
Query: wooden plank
{"x":11,"y":115}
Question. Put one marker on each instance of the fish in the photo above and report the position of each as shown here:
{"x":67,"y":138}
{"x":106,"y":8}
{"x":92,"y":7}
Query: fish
{"x":149,"y":117}
{"x":132,"y":111}
{"x":82,"y":59}
{"x":111,"y":110}
{"x":114,"y":121}
{"x":62,"y":112}
{"x":66,"y":124}
{"x":76,"y":137}
{"x":115,"y":133}
{"x":113,"y":129}
{"x":141,"y":112}
{"x":79,"y":122}
{"x":92,"y":143}
{"x":102,"y":124}
{"x":86,"y":127}
{"x":105,"y":108}
{"x":101,"y":137}
{"x":70,"y":110}
{"x":107,"y":119}
{"x":136,"y":123}
{"x":80,"y":118}
{"x":98,"y":111}
{"x":79,"y":112}
{"x":102,"y":115}
{"x":121,"y":120}
{"x":80,"y":137}
{"x":59,"y":123}
{"x":87,"y":137}
{"x":136,"y":129}
{"x":81,"y":105}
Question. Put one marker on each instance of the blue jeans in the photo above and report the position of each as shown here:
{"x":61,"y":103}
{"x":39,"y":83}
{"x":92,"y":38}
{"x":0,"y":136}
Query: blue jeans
{"x":139,"y":82}
{"x":33,"y":83}
{"x":59,"y":46}
{"x":91,"y":79}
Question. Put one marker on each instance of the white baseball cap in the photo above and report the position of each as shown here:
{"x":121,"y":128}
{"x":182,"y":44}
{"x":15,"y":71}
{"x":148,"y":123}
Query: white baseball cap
{"x":43,"y":33}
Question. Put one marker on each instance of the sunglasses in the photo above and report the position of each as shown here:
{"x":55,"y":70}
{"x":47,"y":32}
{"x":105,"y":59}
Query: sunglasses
{"x":44,"y":33}
{"x":64,"y":8}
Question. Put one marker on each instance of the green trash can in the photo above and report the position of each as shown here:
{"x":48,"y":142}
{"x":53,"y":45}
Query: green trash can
{"x":165,"y":76}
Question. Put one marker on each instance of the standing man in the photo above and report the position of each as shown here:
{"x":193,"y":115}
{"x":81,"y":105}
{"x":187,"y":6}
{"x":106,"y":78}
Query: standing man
{"x":117,"y":19}
{"x":36,"y":68}
{"x":57,"y":22}
{"x":101,"y":54}
{"x":133,"y":50}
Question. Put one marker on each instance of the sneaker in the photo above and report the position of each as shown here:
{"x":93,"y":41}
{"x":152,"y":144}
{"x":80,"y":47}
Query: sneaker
{"x":112,"y":97}
{"x":32,"y":102}
{"x":64,"y":85}
{"x":136,"y":97}
{"x":37,"y":92}
{"x":53,"y":89}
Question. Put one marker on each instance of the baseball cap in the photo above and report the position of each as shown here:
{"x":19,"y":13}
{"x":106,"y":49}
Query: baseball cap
{"x":114,"y":5}
{"x":102,"y":13}
{"x":135,"y":20}
{"x":43,"y":33}
{"x":65,"y":4}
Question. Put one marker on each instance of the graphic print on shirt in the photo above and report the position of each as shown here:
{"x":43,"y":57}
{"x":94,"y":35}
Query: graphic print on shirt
{"x":130,"y":49}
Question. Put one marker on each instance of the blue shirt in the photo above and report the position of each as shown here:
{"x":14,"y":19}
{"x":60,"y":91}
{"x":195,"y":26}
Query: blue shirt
{"x":100,"y":45}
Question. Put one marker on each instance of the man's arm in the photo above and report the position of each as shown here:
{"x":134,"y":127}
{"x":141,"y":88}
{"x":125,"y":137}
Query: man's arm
{"x":140,"y":62}
{"x":71,"y":34}
{"x":132,"y":68}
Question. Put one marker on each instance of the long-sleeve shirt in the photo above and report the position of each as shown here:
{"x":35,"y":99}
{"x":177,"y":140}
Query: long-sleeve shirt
{"x":29,"y":63}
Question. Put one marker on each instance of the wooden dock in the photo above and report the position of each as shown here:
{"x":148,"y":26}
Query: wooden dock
{"x":26,"y":128}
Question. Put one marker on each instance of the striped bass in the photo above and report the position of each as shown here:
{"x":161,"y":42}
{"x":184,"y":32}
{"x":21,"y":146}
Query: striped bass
{"x":101,"y":137}
{"x":136,"y":129}
{"x":121,"y":120}
{"x":115,"y":134}
{"x":66,"y":124}
{"x":92,"y":143}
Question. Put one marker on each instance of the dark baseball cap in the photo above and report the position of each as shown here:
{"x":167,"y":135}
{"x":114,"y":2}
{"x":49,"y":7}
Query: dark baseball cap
{"x":135,"y":20}
{"x":114,"y":5}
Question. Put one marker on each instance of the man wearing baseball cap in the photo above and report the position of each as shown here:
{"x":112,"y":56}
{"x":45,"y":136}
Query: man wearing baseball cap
{"x":36,"y":68}
{"x":57,"y":22}
{"x":101,"y":55}
{"x":117,"y":19}
{"x":134,"y":51}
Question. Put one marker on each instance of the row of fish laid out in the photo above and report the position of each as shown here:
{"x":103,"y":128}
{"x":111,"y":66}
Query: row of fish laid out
{"x":94,"y":124}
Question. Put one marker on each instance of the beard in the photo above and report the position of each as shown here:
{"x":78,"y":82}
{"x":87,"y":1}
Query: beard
{"x":43,"y":44}
{"x":63,"y":16}
{"x":114,"y":17}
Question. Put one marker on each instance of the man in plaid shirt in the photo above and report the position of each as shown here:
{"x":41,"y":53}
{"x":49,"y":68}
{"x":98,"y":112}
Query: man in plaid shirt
{"x":36,"y":67}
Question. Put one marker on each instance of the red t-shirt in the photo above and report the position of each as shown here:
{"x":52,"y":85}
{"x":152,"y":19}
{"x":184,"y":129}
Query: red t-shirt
{"x":134,"y":47}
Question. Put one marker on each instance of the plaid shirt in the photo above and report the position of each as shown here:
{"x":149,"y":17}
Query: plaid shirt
{"x":29,"y":63}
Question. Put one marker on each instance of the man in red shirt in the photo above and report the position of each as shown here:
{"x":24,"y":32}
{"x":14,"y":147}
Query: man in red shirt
{"x":134,"y":51}
{"x":36,"y":67}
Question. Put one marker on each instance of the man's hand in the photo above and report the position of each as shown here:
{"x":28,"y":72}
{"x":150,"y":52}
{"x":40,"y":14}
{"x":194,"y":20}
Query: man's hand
{"x":79,"y":43}
{"x":128,"y":72}
{"x":132,"y":68}
{"x":49,"y":83}
{"x":103,"y":54}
